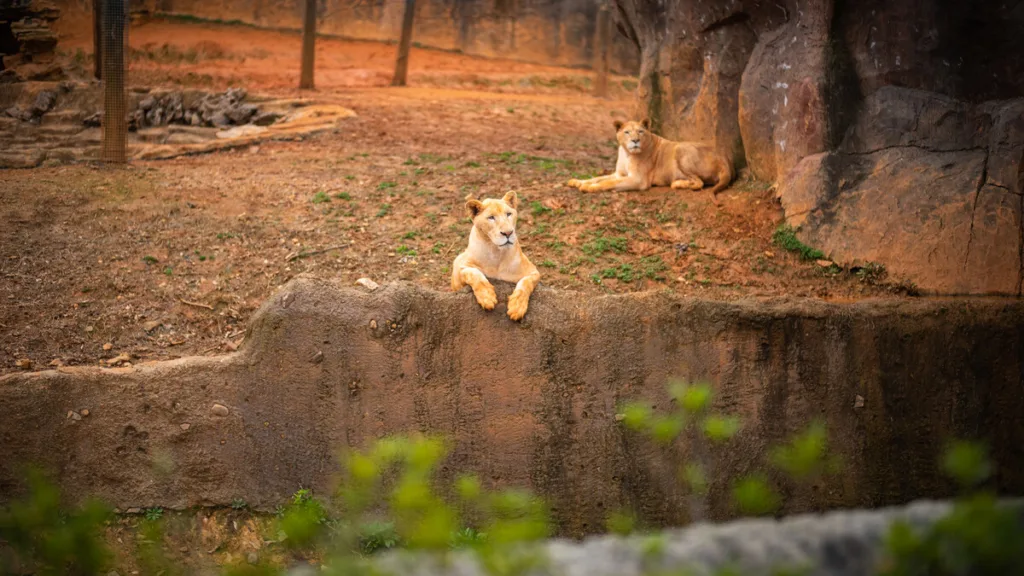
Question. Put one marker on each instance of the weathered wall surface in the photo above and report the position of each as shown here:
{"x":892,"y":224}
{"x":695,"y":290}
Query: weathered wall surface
{"x":533,"y":404}
{"x":556,"y":32}
{"x":920,"y":116}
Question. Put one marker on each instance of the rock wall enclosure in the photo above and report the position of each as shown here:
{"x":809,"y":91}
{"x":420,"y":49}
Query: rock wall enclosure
{"x":895,"y":130}
{"x":532,"y":404}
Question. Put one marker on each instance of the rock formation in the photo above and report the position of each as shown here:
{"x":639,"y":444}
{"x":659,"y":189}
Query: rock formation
{"x":27,"y":42}
{"x":895,"y":130}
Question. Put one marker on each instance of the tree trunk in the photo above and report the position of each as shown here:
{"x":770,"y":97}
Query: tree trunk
{"x":402,"y":62}
{"x":602,"y":47}
{"x":115,"y":98}
{"x":97,"y":36}
{"x":308,"y":45}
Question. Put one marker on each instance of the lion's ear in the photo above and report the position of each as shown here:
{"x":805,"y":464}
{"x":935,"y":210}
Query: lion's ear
{"x":646,"y":123}
{"x":473,"y":205}
{"x":512,"y":199}
{"x":618,"y":125}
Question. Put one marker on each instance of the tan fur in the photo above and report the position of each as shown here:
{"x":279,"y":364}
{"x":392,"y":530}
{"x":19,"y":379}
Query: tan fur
{"x":494,"y":252}
{"x":646,"y":159}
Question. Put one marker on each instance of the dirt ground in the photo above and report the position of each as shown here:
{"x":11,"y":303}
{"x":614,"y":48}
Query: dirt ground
{"x":162,"y":259}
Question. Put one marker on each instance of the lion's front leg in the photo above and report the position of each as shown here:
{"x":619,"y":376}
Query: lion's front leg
{"x":482,"y":288}
{"x":574,"y":183}
{"x":519,"y":301}
{"x":618,"y":184}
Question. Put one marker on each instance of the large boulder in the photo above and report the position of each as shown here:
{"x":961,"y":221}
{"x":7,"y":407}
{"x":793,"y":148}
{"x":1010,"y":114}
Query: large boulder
{"x":926,"y":185}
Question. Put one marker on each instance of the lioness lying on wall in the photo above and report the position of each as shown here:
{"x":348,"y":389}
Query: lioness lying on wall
{"x":646,"y":159}
{"x":494,"y":252}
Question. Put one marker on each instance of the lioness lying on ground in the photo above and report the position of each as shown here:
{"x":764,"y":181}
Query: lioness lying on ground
{"x":646,"y":159}
{"x":494,"y":252}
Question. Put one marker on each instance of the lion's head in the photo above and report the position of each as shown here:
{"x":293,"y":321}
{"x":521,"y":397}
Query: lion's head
{"x":495,"y":219}
{"x":634,"y":137}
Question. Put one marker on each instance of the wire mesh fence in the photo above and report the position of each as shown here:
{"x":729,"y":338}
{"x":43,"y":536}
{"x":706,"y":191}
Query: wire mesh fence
{"x":114,"y":72}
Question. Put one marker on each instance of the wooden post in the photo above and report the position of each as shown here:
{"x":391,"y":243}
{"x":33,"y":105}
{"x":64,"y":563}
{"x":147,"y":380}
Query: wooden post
{"x":115,"y":95}
{"x":308,"y":45}
{"x":602,"y":48}
{"x":402,"y":62}
{"x":97,"y":35}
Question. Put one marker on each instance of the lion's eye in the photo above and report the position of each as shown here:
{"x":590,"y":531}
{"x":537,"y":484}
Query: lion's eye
{"x":491,"y":218}
{"x":509,"y":215}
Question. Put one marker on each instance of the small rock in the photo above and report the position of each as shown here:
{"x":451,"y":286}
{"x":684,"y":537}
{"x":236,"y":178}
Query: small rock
{"x":824,"y":263}
{"x":368,"y":284}
{"x":122,"y":357}
{"x":150,"y":326}
{"x":84,"y":412}
{"x":317,"y":358}
{"x":373,"y":324}
{"x":76,"y":416}
{"x":56,"y":363}
{"x":219,"y":410}
{"x":70,"y":413}
{"x":89,"y":329}
{"x":858,"y":402}
{"x":185,"y":426}
{"x":133,"y":511}
{"x":23,"y":363}
{"x":252,"y":558}
{"x":93,"y":121}
{"x":620,"y":417}
{"x":108,"y":346}
{"x":44,"y":102}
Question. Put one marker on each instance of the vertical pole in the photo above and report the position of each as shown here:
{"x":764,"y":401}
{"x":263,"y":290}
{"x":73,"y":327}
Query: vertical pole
{"x":602,"y":47}
{"x":115,"y":97}
{"x":402,"y":62}
{"x":97,"y":35}
{"x":308,"y":45}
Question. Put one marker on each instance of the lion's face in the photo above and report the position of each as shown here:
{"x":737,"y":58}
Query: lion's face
{"x":634,"y":137}
{"x":495,"y":219}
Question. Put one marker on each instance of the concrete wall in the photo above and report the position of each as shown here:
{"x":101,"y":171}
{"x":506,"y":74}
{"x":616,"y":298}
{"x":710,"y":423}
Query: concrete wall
{"x":533,"y":404}
{"x":556,"y":32}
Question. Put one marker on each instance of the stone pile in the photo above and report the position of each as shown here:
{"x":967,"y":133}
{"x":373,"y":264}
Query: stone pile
{"x":216,"y":110}
{"x":44,"y":101}
{"x":27,"y":41}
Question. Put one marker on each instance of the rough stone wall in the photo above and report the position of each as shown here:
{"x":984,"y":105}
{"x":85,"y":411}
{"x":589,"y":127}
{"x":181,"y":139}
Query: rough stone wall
{"x":917,"y":105}
{"x":27,"y":41}
{"x":533,"y":404}
{"x":556,"y":32}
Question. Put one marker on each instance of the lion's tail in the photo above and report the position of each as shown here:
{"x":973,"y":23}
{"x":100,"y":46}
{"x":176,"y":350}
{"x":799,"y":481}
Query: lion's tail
{"x":725,"y":175}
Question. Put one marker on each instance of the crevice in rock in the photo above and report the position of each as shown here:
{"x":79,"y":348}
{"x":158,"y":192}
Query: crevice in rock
{"x":737,"y":18}
{"x":974,"y":209}
{"x":1020,"y":248}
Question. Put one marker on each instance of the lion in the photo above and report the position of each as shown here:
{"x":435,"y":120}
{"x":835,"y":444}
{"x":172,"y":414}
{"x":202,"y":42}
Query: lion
{"x":494,"y":252}
{"x":646,"y":159}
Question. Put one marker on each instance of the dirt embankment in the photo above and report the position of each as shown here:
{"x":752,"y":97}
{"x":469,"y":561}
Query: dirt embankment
{"x":533,"y":404}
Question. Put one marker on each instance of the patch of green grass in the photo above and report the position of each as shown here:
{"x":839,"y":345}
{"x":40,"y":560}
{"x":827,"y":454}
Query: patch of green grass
{"x":385,"y":209}
{"x":168,"y":271}
{"x":320,"y":197}
{"x":410,"y":162}
{"x":538,"y":209}
{"x":472,"y":164}
{"x":410,"y":235}
{"x":350,"y":177}
{"x":343,"y":196}
{"x":221,"y":236}
{"x":152,"y":259}
{"x":386,"y":185}
{"x":239,"y":504}
{"x":601,"y":245}
{"x":548,"y":264}
{"x":154,"y":514}
{"x":433,"y":158}
{"x":647,"y":267}
{"x":785,"y":237}
{"x":404,"y":250}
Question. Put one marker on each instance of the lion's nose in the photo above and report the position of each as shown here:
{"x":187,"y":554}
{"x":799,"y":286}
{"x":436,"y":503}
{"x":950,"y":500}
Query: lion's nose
{"x":509,"y":234}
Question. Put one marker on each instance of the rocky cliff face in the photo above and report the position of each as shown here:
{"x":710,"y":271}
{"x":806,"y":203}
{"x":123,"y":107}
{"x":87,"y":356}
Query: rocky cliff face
{"x":894,"y":129}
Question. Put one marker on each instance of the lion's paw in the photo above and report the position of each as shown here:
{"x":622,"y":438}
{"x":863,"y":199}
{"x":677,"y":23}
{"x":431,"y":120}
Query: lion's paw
{"x":574,"y":183}
{"x":486,"y":297}
{"x":517,"y":305}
